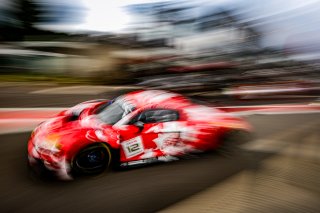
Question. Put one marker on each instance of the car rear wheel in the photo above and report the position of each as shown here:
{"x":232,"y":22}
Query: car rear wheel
{"x":92,"y":160}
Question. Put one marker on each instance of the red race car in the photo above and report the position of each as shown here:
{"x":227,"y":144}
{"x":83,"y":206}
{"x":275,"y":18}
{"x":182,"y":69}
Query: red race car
{"x":140,"y":127}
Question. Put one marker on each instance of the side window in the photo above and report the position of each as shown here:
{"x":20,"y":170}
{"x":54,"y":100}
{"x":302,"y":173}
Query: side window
{"x":156,"y":116}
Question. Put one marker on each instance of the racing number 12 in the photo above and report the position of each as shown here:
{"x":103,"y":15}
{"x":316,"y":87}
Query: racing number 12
{"x":133,"y":148}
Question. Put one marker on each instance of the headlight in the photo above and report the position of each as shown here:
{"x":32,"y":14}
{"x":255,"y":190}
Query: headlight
{"x":48,"y":144}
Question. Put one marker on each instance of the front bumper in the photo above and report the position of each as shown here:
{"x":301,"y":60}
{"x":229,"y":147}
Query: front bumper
{"x":58,"y":164}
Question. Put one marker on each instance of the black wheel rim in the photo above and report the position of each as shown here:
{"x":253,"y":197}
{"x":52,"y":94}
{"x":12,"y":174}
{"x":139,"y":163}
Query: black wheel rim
{"x":92,"y":159}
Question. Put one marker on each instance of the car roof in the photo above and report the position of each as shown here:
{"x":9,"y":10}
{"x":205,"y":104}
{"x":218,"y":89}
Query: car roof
{"x":156,"y":99}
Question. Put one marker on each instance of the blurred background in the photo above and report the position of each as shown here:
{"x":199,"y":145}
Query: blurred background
{"x":240,"y":48}
{"x":240,"y":55}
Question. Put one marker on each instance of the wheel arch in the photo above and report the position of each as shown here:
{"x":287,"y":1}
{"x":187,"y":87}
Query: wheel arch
{"x":111,"y":150}
{"x":112,"y":155}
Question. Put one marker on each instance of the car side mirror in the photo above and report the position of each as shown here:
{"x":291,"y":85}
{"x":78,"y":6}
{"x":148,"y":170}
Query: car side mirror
{"x":139,"y":124}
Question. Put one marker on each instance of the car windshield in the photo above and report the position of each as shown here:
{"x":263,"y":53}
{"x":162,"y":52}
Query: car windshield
{"x":115,"y":111}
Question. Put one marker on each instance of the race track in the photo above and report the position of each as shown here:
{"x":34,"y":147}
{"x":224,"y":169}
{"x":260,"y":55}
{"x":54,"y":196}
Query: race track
{"x":146,"y":189}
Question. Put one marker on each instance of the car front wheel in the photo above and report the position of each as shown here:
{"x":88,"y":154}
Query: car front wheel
{"x":92,"y":160}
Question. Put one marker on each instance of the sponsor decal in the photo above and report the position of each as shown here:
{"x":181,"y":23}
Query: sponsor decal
{"x":169,"y":143}
{"x":187,"y":133}
{"x":133,"y":147}
{"x":167,"y":140}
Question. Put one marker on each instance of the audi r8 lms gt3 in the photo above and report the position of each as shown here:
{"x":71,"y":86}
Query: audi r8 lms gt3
{"x":140,"y":127}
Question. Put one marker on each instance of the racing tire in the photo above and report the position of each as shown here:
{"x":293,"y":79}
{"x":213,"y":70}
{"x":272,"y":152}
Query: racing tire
{"x":92,"y":160}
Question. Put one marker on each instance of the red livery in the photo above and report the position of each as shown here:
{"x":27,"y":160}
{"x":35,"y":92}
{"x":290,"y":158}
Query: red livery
{"x":137,"y":128}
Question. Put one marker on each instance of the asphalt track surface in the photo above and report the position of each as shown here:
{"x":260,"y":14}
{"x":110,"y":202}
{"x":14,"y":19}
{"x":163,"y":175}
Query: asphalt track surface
{"x":146,"y":189}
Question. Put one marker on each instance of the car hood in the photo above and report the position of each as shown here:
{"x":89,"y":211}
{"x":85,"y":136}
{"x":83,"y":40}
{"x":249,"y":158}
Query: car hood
{"x":58,"y":133}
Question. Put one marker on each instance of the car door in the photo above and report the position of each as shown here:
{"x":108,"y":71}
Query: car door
{"x":157,"y":135}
